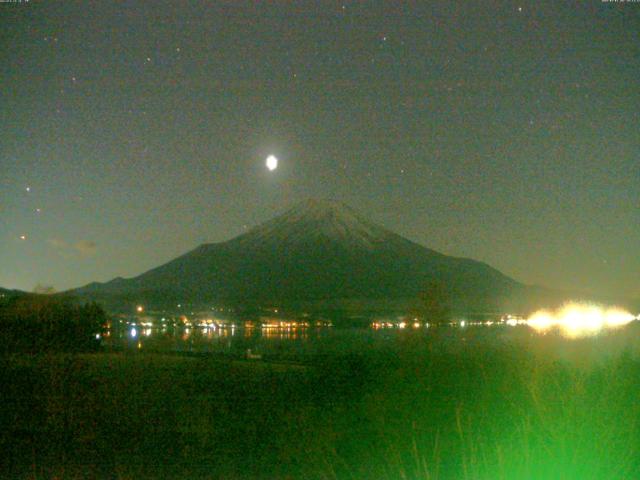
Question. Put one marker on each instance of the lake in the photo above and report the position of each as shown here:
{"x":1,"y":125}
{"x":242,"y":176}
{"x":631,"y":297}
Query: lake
{"x":301,"y":344}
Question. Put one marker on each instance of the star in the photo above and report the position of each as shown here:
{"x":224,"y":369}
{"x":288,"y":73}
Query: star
{"x":23,"y":237}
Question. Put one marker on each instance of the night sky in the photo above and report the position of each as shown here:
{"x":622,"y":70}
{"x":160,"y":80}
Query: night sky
{"x":507,"y":132}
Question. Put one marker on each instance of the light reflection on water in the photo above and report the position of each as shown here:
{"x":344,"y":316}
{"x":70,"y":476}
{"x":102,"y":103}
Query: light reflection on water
{"x":294,"y":343}
{"x":216,"y":339}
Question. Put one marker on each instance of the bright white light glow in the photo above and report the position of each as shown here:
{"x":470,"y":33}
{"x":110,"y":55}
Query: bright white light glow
{"x":580,"y":319}
{"x":134,"y":332}
{"x":272,"y":163}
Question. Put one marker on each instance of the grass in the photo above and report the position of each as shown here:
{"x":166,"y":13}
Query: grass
{"x":413,"y":410}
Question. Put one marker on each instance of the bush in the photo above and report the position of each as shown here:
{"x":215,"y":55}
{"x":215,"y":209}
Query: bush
{"x":38,"y":323}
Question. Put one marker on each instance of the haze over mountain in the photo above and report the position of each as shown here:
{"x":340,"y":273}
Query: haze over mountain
{"x":320,"y":251}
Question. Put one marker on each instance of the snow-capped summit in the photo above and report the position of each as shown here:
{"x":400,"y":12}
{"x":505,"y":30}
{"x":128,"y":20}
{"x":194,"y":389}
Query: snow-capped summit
{"x":314,"y":219}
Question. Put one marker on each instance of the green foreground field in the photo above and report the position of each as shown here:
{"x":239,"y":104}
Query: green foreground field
{"x":505,"y":411}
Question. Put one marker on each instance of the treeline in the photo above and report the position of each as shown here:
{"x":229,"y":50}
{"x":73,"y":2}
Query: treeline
{"x":37,"y":323}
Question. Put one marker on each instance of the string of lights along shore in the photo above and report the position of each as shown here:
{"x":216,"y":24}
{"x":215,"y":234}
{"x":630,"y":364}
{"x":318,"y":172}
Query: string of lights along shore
{"x":499,"y":131}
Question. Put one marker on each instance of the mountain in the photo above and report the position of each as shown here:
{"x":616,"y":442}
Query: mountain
{"x":9,"y":298}
{"x":6,"y":293}
{"x":319,"y":252}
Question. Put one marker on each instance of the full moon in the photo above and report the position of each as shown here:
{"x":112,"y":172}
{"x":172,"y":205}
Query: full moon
{"x":272,"y":163}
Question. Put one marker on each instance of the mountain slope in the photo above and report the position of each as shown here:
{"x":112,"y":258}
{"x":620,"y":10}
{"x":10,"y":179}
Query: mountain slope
{"x":6,"y":293}
{"x":320,"y":250}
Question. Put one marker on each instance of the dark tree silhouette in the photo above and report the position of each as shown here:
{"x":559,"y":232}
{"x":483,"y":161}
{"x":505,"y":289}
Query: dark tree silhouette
{"x":36,"y":323}
{"x":433,"y":303}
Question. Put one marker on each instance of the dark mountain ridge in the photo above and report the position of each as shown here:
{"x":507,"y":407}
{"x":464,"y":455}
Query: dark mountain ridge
{"x":320,"y":251}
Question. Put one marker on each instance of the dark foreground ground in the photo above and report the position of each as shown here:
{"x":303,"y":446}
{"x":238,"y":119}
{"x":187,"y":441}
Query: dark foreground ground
{"x":501,"y":411}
